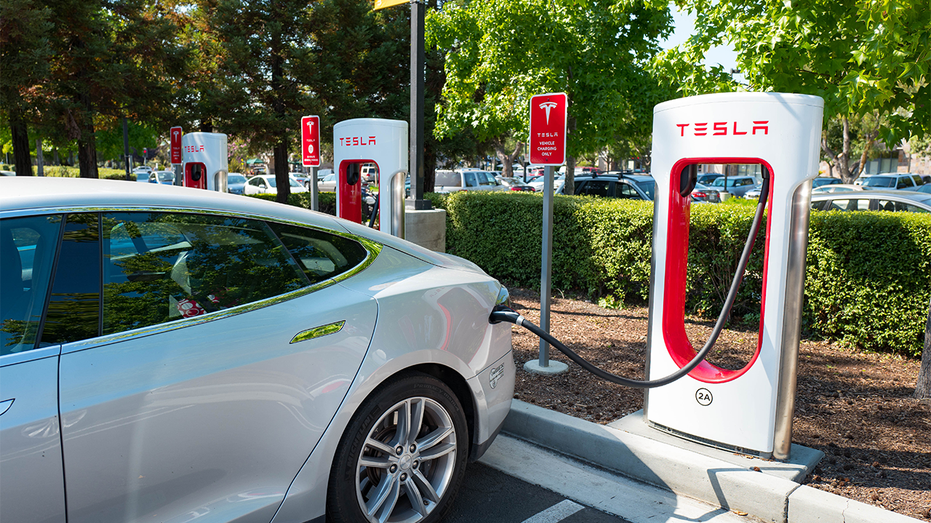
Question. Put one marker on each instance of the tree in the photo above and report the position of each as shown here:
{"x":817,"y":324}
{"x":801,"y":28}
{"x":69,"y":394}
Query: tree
{"x":502,"y":52}
{"x":24,"y":54}
{"x":863,"y":57}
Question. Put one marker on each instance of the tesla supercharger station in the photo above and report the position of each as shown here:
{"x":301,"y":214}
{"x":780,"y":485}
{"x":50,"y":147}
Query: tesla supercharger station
{"x":384,"y":143}
{"x":750,"y":409}
{"x":205,"y":164}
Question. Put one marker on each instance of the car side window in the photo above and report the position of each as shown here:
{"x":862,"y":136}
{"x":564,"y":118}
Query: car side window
{"x":593,"y":188}
{"x":161,"y":267}
{"x":27,"y":250}
{"x":74,"y":305}
{"x":889,"y":205}
{"x":321,"y":255}
{"x":624,"y":190}
{"x":904,"y":181}
{"x":849,"y":205}
{"x":470,"y":179}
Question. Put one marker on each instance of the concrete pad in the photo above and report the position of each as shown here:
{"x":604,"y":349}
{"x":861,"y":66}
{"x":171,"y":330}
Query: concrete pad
{"x":802,"y":460}
{"x":554,"y":367}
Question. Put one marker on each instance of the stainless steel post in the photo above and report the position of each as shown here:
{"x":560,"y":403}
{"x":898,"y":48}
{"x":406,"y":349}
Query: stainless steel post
{"x":547,"y":262}
{"x":396,"y":204}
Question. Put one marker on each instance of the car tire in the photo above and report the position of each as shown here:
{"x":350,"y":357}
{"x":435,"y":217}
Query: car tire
{"x":382,"y":471}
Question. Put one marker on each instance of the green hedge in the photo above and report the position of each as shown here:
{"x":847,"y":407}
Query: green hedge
{"x":326,"y":201}
{"x":868,"y":278}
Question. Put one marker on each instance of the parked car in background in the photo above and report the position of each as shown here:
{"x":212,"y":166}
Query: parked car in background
{"x":926,"y":188}
{"x":837,"y":187}
{"x":558,"y":182}
{"x":705,"y":193}
{"x":327,"y":183}
{"x":867,"y":200}
{"x":168,"y":354}
{"x":707,"y":178}
{"x":821,"y":181}
{"x":736,"y":185}
{"x":465,"y":180}
{"x":515,"y":184}
{"x":162,"y":177}
{"x":632,"y":187}
{"x":300,"y":177}
{"x":235,"y":183}
{"x":267,"y":184}
{"x":893,"y":181}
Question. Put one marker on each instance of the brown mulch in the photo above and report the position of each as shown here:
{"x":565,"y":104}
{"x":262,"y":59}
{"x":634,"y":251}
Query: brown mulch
{"x":855,"y":407}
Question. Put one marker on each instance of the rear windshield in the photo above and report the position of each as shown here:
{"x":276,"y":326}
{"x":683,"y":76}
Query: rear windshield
{"x":448,"y":178}
{"x":876,"y":181}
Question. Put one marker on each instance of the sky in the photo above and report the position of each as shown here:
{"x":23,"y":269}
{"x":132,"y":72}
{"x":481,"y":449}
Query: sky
{"x":685,"y":26}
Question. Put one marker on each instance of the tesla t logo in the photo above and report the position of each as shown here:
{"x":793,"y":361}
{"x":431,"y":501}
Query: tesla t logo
{"x":548,"y":106}
{"x":357,"y":140}
{"x":176,"y":133}
{"x":724,"y":128}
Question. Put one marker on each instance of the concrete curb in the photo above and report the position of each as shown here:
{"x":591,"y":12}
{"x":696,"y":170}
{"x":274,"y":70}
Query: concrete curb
{"x":765,"y":489}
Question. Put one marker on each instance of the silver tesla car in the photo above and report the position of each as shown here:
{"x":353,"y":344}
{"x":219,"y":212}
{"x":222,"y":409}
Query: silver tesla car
{"x":171,"y":354}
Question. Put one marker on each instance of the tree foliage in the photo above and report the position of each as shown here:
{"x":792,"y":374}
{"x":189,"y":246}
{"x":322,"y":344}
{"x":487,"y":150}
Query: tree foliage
{"x":502,"y":52}
{"x":864,"y":57}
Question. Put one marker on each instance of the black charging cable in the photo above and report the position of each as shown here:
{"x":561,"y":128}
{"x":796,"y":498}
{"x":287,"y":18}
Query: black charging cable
{"x":502,"y":313}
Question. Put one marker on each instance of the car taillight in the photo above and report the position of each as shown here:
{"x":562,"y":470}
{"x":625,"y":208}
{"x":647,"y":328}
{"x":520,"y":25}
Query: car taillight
{"x":699,"y":194}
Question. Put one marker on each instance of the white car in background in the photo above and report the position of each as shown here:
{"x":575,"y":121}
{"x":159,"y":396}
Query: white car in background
{"x":267,"y":184}
{"x":168,"y":354}
{"x":466,"y":180}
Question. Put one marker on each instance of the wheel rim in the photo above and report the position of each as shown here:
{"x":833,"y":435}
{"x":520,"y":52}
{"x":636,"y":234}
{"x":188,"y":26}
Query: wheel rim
{"x":407,"y":462}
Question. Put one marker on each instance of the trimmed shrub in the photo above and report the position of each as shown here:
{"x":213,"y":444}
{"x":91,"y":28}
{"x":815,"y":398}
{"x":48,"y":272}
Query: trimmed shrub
{"x":325,"y":200}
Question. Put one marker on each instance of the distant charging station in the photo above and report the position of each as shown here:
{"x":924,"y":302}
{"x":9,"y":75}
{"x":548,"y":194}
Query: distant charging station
{"x":205,"y":161}
{"x":371,"y":140}
{"x":748,"y":409}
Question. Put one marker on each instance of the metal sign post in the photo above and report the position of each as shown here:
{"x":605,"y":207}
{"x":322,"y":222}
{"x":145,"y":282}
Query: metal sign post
{"x":547,"y":147}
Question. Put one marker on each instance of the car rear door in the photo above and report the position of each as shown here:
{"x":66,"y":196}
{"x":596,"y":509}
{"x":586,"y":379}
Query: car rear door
{"x":200,"y":363}
{"x":31,"y":476}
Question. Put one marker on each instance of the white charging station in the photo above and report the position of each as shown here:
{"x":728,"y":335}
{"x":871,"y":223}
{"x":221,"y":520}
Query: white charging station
{"x":206,"y":161}
{"x":750,"y":409}
{"x":371,"y":140}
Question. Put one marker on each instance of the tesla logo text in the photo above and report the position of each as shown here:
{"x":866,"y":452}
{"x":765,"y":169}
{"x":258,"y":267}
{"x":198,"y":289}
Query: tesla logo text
{"x":194,"y":148}
{"x":724,"y":128}
{"x":357,"y":140}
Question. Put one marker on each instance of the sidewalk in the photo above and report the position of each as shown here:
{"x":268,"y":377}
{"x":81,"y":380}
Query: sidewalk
{"x":768,"y":490}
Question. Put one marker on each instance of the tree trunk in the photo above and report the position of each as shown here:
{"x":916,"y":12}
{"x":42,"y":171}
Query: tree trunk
{"x":569,"y":184}
{"x":87,"y":155}
{"x":282,"y":174}
{"x":507,"y":160}
{"x":40,"y":159}
{"x":923,"y":386}
{"x":21,"y":156}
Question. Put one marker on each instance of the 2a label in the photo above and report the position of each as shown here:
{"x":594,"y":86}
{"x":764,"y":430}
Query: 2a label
{"x":703,"y":397}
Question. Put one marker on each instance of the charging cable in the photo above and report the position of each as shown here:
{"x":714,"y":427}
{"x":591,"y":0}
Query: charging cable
{"x":502,"y":313}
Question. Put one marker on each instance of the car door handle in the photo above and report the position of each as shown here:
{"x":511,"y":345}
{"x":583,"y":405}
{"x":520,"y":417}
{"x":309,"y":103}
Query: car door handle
{"x":317,"y":332}
{"x":5,"y":405}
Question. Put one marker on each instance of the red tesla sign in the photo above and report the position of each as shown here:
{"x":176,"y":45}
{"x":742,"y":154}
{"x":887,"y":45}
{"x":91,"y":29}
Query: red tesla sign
{"x":175,"y":144}
{"x":310,"y":141}
{"x":548,"y":129}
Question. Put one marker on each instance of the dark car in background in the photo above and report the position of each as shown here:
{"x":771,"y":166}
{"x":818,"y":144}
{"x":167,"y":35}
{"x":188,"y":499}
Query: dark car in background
{"x":235,"y":183}
{"x":628,"y":186}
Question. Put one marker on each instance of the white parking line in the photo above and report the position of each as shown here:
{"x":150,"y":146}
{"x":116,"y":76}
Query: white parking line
{"x":557,"y":512}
